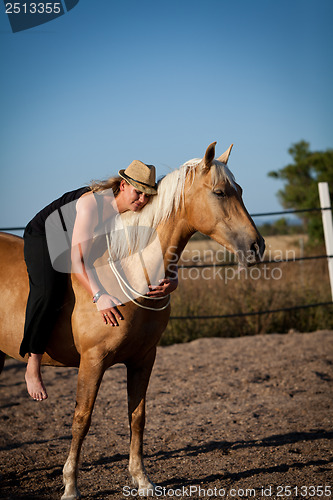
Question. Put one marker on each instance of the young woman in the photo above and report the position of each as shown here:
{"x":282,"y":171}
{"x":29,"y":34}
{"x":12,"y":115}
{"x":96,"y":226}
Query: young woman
{"x":94,"y":205}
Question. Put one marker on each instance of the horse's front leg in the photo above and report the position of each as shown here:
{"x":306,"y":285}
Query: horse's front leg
{"x":137,"y":382}
{"x":89,"y":378}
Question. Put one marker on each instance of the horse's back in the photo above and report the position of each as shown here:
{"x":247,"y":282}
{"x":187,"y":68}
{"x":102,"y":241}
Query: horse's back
{"x":14,"y":287}
{"x":11,"y":248}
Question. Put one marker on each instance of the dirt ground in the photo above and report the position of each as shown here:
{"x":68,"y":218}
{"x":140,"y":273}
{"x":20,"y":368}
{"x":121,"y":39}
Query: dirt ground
{"x":246,"y":417}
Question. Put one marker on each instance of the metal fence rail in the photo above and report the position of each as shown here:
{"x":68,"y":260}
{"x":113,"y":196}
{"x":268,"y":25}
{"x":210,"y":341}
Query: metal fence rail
{"x":254,"y":313}
{"x":280,"y":261}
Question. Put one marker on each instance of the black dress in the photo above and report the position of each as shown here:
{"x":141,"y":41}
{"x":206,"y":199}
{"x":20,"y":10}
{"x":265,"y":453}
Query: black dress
{"x":47,"y":285}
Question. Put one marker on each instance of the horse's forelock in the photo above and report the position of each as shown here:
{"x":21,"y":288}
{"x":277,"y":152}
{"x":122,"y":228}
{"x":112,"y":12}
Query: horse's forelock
{"x":221,"y":173}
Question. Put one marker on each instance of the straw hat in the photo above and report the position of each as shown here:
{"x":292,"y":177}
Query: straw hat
{"x":141,"y":176}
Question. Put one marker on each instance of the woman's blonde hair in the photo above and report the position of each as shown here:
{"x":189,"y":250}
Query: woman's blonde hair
{"x":111,"y":183}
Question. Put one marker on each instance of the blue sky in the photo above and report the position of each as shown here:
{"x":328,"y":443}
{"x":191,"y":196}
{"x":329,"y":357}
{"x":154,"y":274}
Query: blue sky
{"x":112,"y":81}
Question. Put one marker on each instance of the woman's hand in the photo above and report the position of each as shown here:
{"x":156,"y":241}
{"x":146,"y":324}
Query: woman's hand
{"x":165,"y":287}
{"x":107,"y":305}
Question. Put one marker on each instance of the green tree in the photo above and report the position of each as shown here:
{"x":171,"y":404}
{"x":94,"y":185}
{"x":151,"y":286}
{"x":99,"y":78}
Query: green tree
{"x":301,"y":184}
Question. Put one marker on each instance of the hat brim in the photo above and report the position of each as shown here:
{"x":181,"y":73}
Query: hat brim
{"x":145,"y":188}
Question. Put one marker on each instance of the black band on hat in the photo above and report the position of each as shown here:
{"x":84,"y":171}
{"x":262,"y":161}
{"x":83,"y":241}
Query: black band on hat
{"x":138,"y":182}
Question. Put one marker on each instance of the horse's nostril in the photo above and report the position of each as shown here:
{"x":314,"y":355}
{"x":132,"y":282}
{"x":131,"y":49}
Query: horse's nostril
{"x":258,"y":248}
{"x":255,"y":248}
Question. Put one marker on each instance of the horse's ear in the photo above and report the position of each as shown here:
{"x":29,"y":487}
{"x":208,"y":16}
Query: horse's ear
{"x":209,"y":157}
{"x":225,"y":157}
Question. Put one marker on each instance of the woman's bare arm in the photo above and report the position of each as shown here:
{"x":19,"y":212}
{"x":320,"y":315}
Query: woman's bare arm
{"x":82,"y":240}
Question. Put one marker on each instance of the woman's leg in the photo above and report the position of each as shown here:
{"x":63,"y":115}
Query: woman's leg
{"x":47,"y":288}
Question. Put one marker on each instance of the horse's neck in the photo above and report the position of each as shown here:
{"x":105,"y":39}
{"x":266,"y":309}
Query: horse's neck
{"x":174,"y":235}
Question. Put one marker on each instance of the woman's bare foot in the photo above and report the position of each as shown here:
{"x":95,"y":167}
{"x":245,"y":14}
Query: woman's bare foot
{"x":33,"y":378}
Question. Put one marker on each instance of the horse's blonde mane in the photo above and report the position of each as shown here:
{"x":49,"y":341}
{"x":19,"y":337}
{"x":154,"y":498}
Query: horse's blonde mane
{"x":170,"y":193}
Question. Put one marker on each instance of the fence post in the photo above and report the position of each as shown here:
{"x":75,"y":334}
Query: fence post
{"x":325,"y":202}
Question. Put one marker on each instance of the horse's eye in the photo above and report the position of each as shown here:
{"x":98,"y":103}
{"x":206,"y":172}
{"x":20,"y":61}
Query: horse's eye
{"x":219,"y":193}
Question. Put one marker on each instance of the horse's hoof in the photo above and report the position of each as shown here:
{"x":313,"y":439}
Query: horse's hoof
{"x":145,"y":489}
{"x":146,"y":492}
{"x":71,"y":496}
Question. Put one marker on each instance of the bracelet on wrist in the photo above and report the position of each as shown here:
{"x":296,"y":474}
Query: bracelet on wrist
{"x":97,"y":296}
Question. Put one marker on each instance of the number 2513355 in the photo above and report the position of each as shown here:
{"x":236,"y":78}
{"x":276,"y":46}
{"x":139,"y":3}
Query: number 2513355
{"x":33,"y":8}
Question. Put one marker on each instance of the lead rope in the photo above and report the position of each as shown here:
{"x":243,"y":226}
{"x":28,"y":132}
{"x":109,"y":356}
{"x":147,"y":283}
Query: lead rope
{"x":121,"y":281}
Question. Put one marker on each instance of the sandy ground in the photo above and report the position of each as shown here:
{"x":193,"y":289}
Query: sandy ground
{"x":251,"y":417}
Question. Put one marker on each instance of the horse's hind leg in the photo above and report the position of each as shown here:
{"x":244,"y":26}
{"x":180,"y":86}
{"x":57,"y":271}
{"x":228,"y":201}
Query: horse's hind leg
{"x":137,"y":383}
{"x":2,"y":360}
{"x":89,"y":378}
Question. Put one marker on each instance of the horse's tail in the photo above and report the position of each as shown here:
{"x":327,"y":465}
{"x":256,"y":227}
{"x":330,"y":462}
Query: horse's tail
{"x":2,"y":360}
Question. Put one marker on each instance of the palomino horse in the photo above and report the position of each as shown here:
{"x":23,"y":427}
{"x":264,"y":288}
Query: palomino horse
{"x":202,"y":195}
